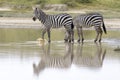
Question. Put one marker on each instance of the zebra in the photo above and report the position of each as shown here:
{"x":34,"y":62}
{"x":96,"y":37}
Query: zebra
{"x":55,"y":21}
{"x":49,"y":60}
{"x":89,"y":20}
{"x":93,"y":61}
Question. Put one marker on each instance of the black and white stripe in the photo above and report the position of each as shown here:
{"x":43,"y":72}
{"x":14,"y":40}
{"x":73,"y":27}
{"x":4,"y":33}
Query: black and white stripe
{"x":89,"y":20}
{"x":49,"y":60}
{"x":55,"y":21}
{"x":93,"y":59}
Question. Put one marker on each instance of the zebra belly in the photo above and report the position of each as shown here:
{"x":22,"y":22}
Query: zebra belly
{"x":84,"y":25}
{"x":60,"y":26}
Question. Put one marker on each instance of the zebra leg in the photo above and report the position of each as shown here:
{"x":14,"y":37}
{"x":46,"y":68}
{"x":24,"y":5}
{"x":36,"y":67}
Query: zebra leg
{"x":69,"y":35}
{"x":66,"y":37}
{"x":81,"y":32}
{"x":78,"y":32}
{"x":99,"y":34}
{"x":48,"y":32}
{"x":100,"y":31}
{"x":96,"y":37}
{"x":43,"y":33}
{"x":97,"y":31}
{"x":72,"y":35}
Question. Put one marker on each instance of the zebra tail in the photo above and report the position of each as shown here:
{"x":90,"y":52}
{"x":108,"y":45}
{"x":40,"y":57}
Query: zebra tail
{"x":104,"y":28}
{"x":72,"y":26}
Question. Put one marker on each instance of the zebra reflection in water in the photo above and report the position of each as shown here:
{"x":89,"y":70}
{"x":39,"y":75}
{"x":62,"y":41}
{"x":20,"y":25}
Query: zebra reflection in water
{"x":54,"y":61}
{"x":89,"y":60}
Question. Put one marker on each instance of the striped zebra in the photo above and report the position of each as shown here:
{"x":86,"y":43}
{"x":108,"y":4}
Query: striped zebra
{"x":89,"y":20}
{"x":54,"y":61}
{"x":55,"y":21}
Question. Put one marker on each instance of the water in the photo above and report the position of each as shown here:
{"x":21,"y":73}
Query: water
{"x":22,"y":57}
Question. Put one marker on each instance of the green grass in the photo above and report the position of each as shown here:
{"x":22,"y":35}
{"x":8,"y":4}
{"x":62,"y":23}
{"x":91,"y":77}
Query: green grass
{"x":54,"y":1}
{"x":110,"y":3}
{"x":23,"y":8}
{"x":94,"y":4}
{"x":15,"y":14}
{"x":107,"y":14}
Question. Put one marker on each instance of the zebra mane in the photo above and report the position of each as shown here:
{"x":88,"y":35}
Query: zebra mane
{"x":41,"y":15}
{"x":40,"y":11}
{"x":94,"y":13}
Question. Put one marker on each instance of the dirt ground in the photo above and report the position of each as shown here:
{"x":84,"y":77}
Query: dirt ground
{"x":8,"y":22}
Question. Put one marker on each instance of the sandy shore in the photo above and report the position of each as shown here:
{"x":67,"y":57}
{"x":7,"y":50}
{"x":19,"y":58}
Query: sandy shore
{"x":8,"y":22}
{"x":18,"y":23}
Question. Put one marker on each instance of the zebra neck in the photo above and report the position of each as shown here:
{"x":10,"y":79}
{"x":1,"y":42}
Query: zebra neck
{"x":42,"y":17}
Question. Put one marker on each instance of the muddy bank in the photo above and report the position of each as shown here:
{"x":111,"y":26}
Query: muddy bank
{"x":6,"y":22}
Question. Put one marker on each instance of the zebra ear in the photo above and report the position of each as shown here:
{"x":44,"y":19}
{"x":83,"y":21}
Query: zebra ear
{"x":37,"y":9}
{"x":34,"y":8}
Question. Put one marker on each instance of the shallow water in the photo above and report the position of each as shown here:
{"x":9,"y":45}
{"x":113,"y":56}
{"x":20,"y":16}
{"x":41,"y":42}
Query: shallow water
{"x":22,"y":57}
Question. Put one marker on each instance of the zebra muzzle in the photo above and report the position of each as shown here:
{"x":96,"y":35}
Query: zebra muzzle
{"x":34,"y":19}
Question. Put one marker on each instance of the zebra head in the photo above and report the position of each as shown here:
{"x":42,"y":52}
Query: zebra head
{"x":39,"y":14}
{"x":36,"y":14}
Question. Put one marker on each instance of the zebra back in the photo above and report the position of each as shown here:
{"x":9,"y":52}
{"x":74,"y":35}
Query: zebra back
{"x":88,"y":20}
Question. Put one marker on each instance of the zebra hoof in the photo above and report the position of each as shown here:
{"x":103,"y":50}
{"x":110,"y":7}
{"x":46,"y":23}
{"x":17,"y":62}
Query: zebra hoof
{"x":65,"y":40}
{"x":100,"y":40}
{"x":78,"y":41}
{"x":82,"y":40}
{"x":49,"y":41}
{"x":95,"y":40}
{"x":69,"y":41}
{"x":72,"y":41}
